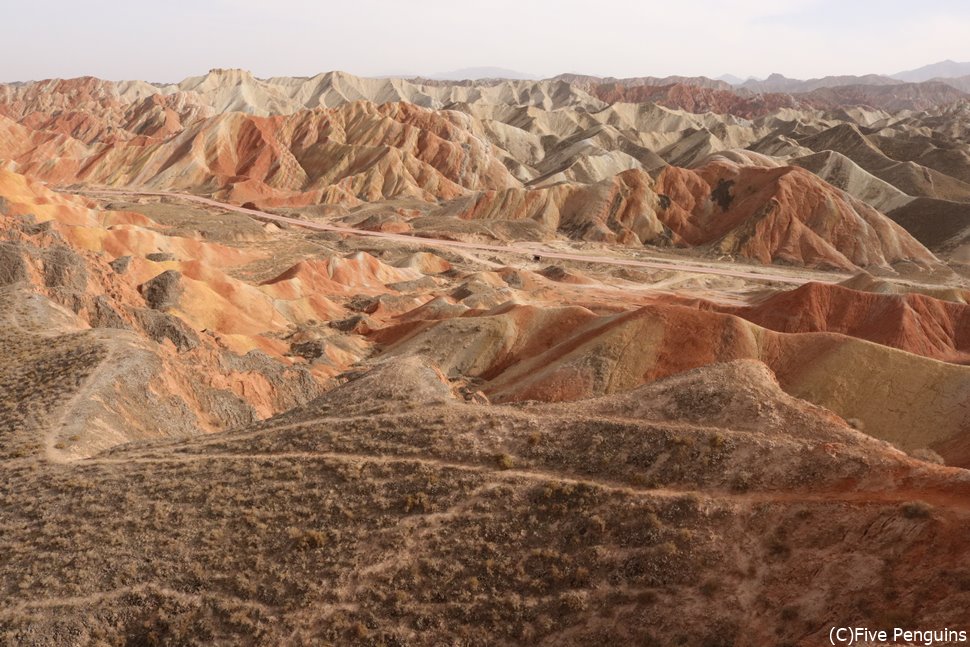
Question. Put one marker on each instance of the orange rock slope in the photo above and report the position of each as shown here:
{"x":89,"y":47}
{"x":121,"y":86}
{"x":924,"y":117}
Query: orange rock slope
{"x":207,"y":346}
{"x":772,"y":215}
{"x":360,"y":151}
{"x":568,"y":353}
{"x":915,"y":323}
{"x":569,"y":173}
{"x":781,"y":214}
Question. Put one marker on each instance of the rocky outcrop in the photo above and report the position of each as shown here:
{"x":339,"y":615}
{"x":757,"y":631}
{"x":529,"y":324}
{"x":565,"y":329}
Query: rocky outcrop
{"x":163,"y":291}
{"x":160,"y":327}
{"x":13,"y":265}
{"x":121,"y":264}
{"x":64,"y":268}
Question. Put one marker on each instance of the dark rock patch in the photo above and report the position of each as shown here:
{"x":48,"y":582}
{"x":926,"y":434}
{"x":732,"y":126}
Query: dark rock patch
{"x":64,"y":268}
{"x":163,"y":291}
{"x":161,"y":257}
{"x":721,"y":195}
{"x":13,"y":265}
{"x":121,"y":264}
{"x":160,"y":326}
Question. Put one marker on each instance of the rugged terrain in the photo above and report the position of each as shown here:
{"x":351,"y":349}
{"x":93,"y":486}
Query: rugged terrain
{"x":342,"y":360}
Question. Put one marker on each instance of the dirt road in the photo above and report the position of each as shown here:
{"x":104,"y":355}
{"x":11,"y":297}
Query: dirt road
{"x":530,"y":249}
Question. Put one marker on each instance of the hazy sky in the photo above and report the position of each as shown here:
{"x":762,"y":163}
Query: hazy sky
{"x":167,"y":40}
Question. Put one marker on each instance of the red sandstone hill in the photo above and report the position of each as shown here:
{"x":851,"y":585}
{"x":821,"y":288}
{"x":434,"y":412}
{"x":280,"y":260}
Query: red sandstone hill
{"x":266,"y":147}
{"x":915,"y":323}
{"x":771,"y":215}
{"x":358,"y":152}
{"x":568,"y":353}
{"x":782,"y":214}
{"x":362,"y":152}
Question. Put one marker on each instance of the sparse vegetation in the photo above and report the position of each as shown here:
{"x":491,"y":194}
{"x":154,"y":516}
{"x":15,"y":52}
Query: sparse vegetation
{"x":927,"y":455}
{"x":504,"y":461}
{"x":778,"y":548}
{"x":916,"y":510}
{"x":306,"y":538}
{"x":789,"y":614}
{"x":710,"y":588}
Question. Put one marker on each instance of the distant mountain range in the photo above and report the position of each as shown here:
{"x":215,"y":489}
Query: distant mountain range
{"x":952,"y":73}
{"x":731,"y":79}
{"x":942,"y":70}
{"x":780,"y":83}
{"x":476,"y":73}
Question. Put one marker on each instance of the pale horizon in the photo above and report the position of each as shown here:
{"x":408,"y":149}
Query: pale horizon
{"x":376,"y":38}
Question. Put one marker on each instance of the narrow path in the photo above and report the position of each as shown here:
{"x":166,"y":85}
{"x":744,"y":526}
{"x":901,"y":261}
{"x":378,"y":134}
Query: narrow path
{"x":857,"y":497}
{"x":94,"y":382}
{"x":50,"y":603}
{"x":531,"y":249}
{"x":66,"y":412}
{"x":264,"y":430}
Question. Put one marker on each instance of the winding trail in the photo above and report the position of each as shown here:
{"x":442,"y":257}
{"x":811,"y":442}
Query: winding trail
{"x":954,"y":501}
{"x":531,"y":249}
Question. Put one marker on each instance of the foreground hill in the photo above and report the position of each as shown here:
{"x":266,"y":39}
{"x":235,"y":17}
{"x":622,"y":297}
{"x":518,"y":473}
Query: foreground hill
{"x":619,"y":519}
